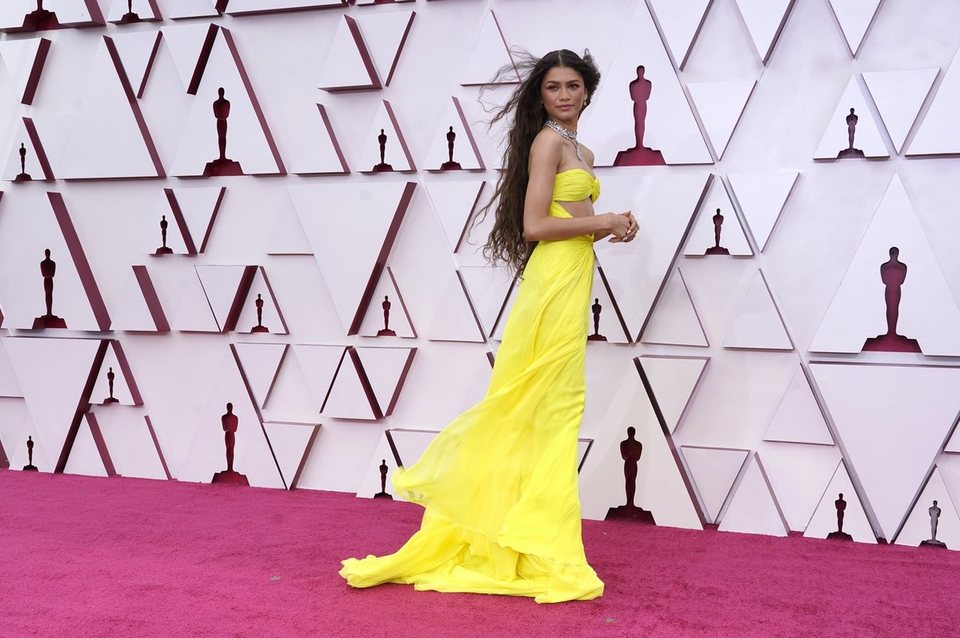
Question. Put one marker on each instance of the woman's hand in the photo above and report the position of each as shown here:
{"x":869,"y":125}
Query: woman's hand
{"x":623,"y":227}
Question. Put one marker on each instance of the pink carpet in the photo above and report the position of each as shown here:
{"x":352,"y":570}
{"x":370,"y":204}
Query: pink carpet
{"x":124,"y":557}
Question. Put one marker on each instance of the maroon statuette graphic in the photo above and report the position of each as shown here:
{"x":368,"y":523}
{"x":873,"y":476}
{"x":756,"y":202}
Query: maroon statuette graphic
{"x":450,"y":165}
{"x":934,"y":512}
{"x":30,"y":467}
{"x":259,"y":327}
{"x":229,"y":422}
{"x":840,"y":535}
{"x":630,"y":450}
{"x":596,"y":308}
{"x":851,"y":121}
{"x":164,"y":249}
{"x":383,"y":481}
{"x":129,"y":16}
{"x":23,"y":176}
{"x":382,"y":167}
{"x":48,"y":268}
{"x":386,"y":331}
{"x":893,"y":273}
{"x":110,"y":378}
{"x":638,"y":154}
{"x":40,"y":19}
{"x":717,"y":249}
{"x":222,"y":165}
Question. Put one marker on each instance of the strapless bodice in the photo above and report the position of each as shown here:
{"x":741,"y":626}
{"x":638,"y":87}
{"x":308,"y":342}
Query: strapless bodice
{"x":574,"y":185}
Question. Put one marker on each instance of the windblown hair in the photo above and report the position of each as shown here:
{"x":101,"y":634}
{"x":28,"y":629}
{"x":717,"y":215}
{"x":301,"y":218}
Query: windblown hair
{"x":526,"y":115}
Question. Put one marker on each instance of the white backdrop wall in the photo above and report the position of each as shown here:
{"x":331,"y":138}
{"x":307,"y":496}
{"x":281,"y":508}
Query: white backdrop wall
{"x":743,"y":374}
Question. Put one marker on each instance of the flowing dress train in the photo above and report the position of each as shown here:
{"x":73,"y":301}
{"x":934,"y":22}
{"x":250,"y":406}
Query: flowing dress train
{"x":499,"y":484}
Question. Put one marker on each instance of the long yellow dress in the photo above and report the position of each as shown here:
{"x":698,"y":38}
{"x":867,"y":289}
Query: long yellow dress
{"x":499,"y":484}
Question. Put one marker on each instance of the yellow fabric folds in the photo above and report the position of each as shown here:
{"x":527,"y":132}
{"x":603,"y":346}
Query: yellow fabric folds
{"x":499,"y":484}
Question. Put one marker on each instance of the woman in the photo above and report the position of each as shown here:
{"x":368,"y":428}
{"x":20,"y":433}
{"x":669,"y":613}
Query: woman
{"x":499,"y":483}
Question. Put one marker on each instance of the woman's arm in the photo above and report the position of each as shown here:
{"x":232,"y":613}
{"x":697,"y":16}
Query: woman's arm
{"x":537,"y":224}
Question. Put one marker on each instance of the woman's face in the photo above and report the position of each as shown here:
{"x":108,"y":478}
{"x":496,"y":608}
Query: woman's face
{"x":563,"y":94}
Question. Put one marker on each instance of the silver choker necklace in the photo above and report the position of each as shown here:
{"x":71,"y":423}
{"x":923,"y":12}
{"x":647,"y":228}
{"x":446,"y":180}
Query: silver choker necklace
{"x":567,"y":135}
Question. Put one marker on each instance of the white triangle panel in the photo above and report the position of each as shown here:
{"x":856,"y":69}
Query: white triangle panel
{"x":938,"y":134}
{"x":348,"y":65}
{"x":386,"y":368}
{"x":290,"y":443}
{"x":892,"y":421}
{"x":349,"y":398}
{"x":713,"y":471}
{"x":854,"y":17}
{"x":36,"y":162}
{"x":674,"y":380}
{"x":133,"y":451}
{"x":328,"y":214}
{"x":319,"y":152}
{"x":489,"y":55}
{"x":24,"y":61}
{"x":720,"y":105}
{"x":798,"y":475}
{"x":384,"y":35}
{"x":919,"y":524}
{"x":488,"y":288}
{"x":260,"y":363}
{"x":290,"y":399}
{"x":928,"y":311}
{"x":271,"y":315}
{"x":186,"y":43}
{"x":9,"y":386}
{"x":198,"y":208}
{"x":899,"y":95}
{"x":137,"y":51}
{"x":798,"y":418}
{"x":125,"y":388}
{"x":109,"y":120}
{"x":867,"y":136}
{"x":664,"y":205}
{"x":757,"y":324}
{"x":764,"y":20}
{"x":680,"y":21}
{"x":762,"y":197}
{"x":85,"y":458}
{"x":454,"y":318}
{"x":221,"y":285}
{"x":824,"y":519}
{"x":193,"y":313}
{"x":453,"y":202}
{"x":753,"y":508}
{"x":319,"y":365}
{"x":674,"y":320}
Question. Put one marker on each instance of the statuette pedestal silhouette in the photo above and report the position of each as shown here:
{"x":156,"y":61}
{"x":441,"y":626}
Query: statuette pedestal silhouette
{"x":892,"y":273}
{"x":40,"y":19}
{"x":382,"y":167}
{"x":630,"y":450}
{"x":383,"y":481}
{"x":851,"y":120}
{"x":386,"y":331}
{"x":717,"y":249}
{"x":164,"y":249}
{"x":23,"y":176}
{"x":840,"y":535}
{"x":596,"y":308}
{"x":30,"y":467}
{"x":934,"y":512}
{"x":48,"y":269}
{"x":229,"y":422}
{"x":110,"y":379}
{"x":222,"y":165}
{"x":638,"y":154}
{"x":259,"y":327}
{"x":129,"y":17}
{"x":450,"y":165}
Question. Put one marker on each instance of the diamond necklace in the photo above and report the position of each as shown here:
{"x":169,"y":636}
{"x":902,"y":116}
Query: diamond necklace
{"x":567,"y":135}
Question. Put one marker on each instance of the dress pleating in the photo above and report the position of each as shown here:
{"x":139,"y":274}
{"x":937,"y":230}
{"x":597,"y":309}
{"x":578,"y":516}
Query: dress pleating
{"x":499,"y":484}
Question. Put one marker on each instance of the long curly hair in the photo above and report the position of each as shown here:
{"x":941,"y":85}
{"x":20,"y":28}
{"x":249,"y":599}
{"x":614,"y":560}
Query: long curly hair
{"x":526,"y":115}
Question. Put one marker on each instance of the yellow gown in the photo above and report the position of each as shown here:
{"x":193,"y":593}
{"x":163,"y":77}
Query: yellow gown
{"x":499,"y":484}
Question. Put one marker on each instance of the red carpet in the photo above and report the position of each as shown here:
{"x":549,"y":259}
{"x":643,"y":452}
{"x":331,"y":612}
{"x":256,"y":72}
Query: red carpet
{"x":124,"y":557}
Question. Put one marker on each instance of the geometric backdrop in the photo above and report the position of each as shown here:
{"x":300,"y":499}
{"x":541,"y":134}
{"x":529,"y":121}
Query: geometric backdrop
{"x":209,"y":181}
